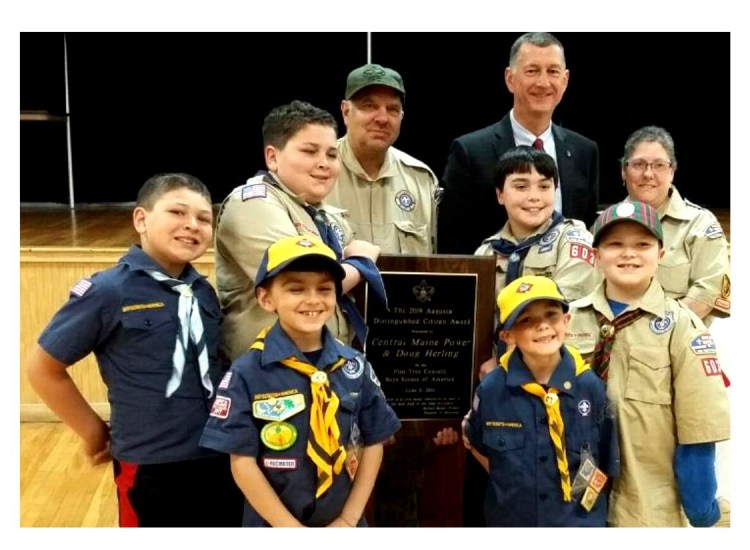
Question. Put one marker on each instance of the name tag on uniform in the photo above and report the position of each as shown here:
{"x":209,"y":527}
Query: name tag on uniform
{"x":279,"y":408}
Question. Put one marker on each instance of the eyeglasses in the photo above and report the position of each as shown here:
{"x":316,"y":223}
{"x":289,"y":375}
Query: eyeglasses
{"x":640,"y":166}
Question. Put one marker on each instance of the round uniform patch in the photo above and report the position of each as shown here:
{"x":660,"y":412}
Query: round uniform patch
{"x":405,"y":201}
{"x":353,"y":368}
{"x":549,"y":237}
{"x":278,"y":436}
{"x":584,"y":407}
{"x":660,"y":325}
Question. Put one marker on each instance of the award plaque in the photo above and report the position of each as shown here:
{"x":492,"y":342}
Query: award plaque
{"x":427,"y":346}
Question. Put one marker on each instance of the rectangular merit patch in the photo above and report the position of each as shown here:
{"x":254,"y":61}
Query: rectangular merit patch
{"x":711,"y":366}
{"x":280,"y":463}
{"x":582,"y":252}
{"x":221,"y":406}
{"x":714,"y":231}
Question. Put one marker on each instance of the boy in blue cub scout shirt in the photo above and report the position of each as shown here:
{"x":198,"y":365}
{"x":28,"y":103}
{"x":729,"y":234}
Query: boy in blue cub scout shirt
{"x":153,"y":323}
{"x":542,"y":419}
{"x":301,"y":414}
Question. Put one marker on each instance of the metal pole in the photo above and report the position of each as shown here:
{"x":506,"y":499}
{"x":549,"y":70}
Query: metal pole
{"x":67,"y":127}
{"x":369,"y":47}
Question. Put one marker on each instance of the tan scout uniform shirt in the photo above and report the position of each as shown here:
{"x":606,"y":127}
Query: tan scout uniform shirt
{"x":251,"y":218}
{"x":396,"y":210}
{"x":696,"y":257}
{"x":666,"y":388}
{"x":564,"y":256}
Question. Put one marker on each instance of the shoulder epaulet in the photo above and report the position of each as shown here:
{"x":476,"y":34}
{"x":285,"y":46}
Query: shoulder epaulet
{"x":690,"y":203}
{"x":411,"y":161}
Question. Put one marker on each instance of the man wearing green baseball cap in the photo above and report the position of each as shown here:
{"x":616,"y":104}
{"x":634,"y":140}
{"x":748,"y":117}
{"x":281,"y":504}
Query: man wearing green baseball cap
{"x":391,"y":197}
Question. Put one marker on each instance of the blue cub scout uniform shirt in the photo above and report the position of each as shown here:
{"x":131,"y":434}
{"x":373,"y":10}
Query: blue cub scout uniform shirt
{"x":363,"y":416}
{"x":129,"y":321}
{"x":509,"y":426}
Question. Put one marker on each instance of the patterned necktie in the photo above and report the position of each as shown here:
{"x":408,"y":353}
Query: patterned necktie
{"x":324,"y":448}
{"x":538,"y":144}
{"x":607,"y":333}
{"x":190,"y":330}
{"x":556,"y":431}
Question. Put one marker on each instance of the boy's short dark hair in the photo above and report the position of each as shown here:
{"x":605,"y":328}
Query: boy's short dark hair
{"x":159,"y":184}
{"x":520,"y":160}
{"x":285,"y":121}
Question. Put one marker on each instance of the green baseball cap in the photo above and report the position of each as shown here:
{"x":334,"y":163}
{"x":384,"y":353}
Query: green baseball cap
{"x":628,"y":211}
{"x":373,"y":75}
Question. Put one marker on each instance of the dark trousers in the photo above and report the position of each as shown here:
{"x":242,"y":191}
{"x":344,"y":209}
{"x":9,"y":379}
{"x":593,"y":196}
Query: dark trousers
{"x":189,"y":493}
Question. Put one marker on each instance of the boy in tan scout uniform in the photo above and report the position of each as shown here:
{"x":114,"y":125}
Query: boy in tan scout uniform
{"x":286,"y":200}
{"x":536,"y":240}
{"x":390,"y":197}
{"x":663,"y":378}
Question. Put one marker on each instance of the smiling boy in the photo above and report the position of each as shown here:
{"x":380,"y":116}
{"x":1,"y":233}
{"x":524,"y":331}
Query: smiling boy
{"x":663,"y":378}
{"x":301,"y":414}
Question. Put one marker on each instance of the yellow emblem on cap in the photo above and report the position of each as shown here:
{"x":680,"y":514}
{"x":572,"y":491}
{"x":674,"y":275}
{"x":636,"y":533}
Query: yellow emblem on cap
{"x":278,"y":436}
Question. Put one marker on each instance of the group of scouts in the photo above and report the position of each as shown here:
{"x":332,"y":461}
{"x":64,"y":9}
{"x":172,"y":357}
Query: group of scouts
{"x":601,"y":405}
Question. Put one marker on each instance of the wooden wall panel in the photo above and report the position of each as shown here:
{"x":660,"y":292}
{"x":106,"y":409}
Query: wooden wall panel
{"x":47,"y":274}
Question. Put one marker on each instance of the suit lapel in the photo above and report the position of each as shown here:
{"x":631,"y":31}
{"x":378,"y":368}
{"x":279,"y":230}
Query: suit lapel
{"x":503,"y":136}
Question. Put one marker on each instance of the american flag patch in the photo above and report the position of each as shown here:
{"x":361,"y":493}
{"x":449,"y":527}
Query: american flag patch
{"x":224,"y":384}
{"x":80,"y":288}
{"x":253,"y":191}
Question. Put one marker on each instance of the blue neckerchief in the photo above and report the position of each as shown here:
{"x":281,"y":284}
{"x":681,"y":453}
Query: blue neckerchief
{"x":365,"y":266}
{"x":517,"y":252}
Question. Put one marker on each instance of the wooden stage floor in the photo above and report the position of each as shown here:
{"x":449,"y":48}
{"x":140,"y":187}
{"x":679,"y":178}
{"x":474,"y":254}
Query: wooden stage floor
{"x":112,"y":227}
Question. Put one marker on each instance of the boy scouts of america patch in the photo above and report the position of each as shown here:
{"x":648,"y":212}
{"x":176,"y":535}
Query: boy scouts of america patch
{"x":714,"y":231}
{"x":353,"y":368}
{"x":405,"y":201}
{"x":660,"y":325}
{"x":703,"y":345}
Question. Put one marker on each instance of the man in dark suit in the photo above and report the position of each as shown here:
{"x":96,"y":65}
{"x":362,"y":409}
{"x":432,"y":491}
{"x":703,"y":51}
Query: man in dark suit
{"x":537,"y":78}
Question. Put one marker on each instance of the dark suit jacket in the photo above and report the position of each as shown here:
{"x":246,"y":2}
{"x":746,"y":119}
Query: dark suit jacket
{"x":468,"y":211}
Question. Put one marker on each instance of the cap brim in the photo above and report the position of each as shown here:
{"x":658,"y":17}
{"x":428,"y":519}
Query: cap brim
{"x":310,"y":262}
{"x":510,"y":321}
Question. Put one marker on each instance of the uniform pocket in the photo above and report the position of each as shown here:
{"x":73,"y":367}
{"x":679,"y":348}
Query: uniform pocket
{"x":675,"y":276}
{"x":412,"y":238}
{"x":649,"y":376}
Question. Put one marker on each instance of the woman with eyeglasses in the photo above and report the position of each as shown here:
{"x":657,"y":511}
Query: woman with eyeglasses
{"x":695,"y":266}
